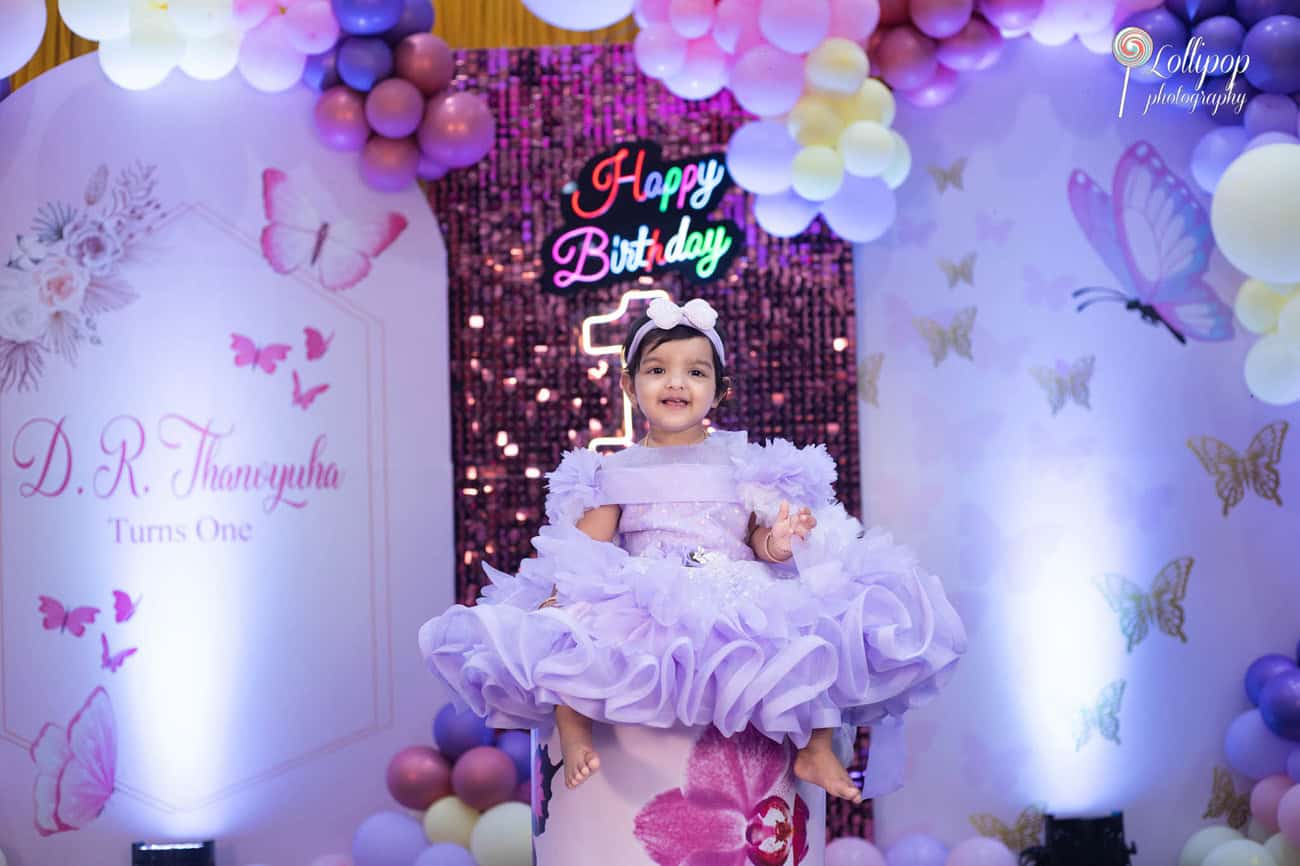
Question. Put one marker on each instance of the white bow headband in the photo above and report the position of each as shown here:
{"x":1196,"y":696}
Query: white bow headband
{"x":665,"y":315}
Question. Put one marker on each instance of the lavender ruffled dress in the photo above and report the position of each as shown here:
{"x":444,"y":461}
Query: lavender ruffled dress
{"x":677,"y":623}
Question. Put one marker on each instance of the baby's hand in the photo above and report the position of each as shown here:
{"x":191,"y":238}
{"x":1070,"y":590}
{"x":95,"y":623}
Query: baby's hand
{"x":788,"y":526}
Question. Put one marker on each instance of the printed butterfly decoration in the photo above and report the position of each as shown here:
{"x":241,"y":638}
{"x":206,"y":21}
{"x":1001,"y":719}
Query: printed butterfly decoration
{"x":1155,"y":237}
{"x":869,"y":377}
{"x":1138,"y":610}
{"x":76,"y":769}
{"x":339,"y":253}
{"x":1103,"y":717}
{"x":1044,"y":292}
{"x":957,"y":336}
{"x":123,"y":606}
{"x":948,"y":177}
{"x":1066,"y":382}
{"x":304,"y":399}
{"x":110,"y":661}
{"x":1025,"y":832}
{"x":247,"y":354}
{"x":317,"y":343}
{"x":989,"y":228}
{"x":962,"y":271}
{"x":73,"y":621}
{"x":1225,"y":802}
{"x":1233,"y":473}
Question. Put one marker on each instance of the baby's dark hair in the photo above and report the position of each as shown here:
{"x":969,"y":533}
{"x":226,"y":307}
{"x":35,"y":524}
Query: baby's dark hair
{"x":658,"y":336}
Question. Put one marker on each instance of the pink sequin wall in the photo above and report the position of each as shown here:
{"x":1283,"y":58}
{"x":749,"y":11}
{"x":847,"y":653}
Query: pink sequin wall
{"x":523,"y":389}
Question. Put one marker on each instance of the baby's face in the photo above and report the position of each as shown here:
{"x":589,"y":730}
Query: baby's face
{"x":674,"y":384}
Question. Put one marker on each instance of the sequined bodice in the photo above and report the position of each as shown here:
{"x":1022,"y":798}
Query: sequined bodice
{"x":682,"y":529}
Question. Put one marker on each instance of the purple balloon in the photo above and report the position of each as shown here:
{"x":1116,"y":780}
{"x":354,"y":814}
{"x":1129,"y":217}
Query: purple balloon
{"x":1273,"y":46}
{"x":935,"y":92}
{"x":322,"y":70}
{"x":1253,"y":750}
{"x":1011,"y":15}
{"x":519,"y":746}
{"x":914,"y":849}
{"x":976,"y":46}
{"x":1265,"y":667}
{"x":417,"y":17}
{"x":1166,"y":29}
{"x":1232,"y":112}
{"x":940,"y":19}
{"x":1210,"y":159}
{"x":6,"y":88}
{"x":390,"y":164}
{"x":429,"y":169}
{"x":1267,"y":138}
{"x":367,"y":17}
{"x":341,"y":119}
{"x":445,"y":854}
{"x":1293,"y":765}
{"x":1251,"y":12}
{"x":364,"y":61}
{"x":1271,"y":112}
{"x":906,"y":58}
{"x":388,"y":839}
{"x":1193,"y":11}
{"x":1223,"y":35}
{"x":458,"y":731}
{"x":1279,"y":702}
{"x":458,"y":130}
{"x":395,"y":108}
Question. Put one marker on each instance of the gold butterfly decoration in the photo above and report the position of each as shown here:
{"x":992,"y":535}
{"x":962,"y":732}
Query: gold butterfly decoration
{"x":956,"y":336}
{"x":1226,"y":802}
{"x":1066,"y":382}
{"x":948,"y":177}
{"x":1026,"y":832}
{"x":1233,"y":473}
{"x":962,"y":271}
{"x":1138,"y":610}
{"x":1104,"y":717}
{"x":869,"y":377}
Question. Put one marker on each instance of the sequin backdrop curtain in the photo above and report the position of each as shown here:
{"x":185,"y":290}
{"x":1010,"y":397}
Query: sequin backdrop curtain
{"x":525,"y":391}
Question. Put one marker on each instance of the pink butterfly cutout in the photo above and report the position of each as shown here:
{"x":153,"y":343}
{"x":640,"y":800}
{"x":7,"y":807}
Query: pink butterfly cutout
{"x":1041,"y":291}
{"x":112,"y":661}
{"x":75,"y":770}
{"x":305,"y":399}
{"x":74,"y":621}
{"x":296,"y":236}
{"x":248,"y":355}
{"x":317,"y":344}
{"x":989,"y":228}
{"x":123,"y":606}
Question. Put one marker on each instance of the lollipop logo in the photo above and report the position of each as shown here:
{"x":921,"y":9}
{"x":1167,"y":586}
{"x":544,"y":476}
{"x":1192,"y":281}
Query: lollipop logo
{"x":1132,"y":47}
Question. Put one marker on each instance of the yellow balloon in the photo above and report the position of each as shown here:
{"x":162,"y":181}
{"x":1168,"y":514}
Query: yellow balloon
{"x":450,"y":820}
{"x":837,"y":65}
{"x":901,"y":165}
{"x":818,"y":173}
{"x":872,"y":101}
{"x":867,"y":148}
{"x":504,"y":836}
{"x":1257,"y":306}
{"x":813,"y":121}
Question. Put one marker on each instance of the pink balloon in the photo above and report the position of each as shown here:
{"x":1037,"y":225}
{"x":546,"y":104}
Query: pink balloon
{"x":735,"y":25}
{"x":312,"y":27}
{"x":429,"y":169}
{"x":1288,"y":815}
{"x":797,"y":26}
{"x":417,"y":776}
{"x":1011,"y":15}
{"x":1265,"y":798}
{"x":341,"y":119}
{"x":458,"y":130}
{"x":660,"y":51}
{"x":691,"y":18}
{"x":389,"y":164}
{"x":906,"y":58}
{"x":425,"y":60}
{"x":935,"y":92}
{"x":854,"y":19}
{"x":705,"y":72}
{"x":649,"y":12}
{"x":483,"y":777}
{"x":251,"y":13}
{"x":767,"y":81}
{"x":976,"y":46}
{"x":395,"y":108}
{"x":940,"y":19}
{"x":524,"y":793}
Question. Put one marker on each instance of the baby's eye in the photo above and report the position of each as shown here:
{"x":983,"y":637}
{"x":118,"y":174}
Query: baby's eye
{"x":697,"y":372}
{"x":655,"y":371}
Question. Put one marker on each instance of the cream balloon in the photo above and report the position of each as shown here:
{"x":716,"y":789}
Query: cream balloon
{"x":1256,"y":831}
{"x":1202,"y":842}
{"x":1255,"y":210}
{"x":202,"y":19}
{"x":23,"y":30}
{"x":872,"y":101}
{"x":96,"y":20}
{"x":1273,"y":370}
{"x":450,"y":820}
{"x":580,"y":14}
{"x":867,"y":148}
{"x":1282,"y":851}
{"x":1288,"y":320}
{"x":837,"y":65}
{"x":901,"y":165}
{"x":147,"y":54}
{"x":1239,"y":852}
{"x":1257,"y":306}
{"x":213,"y":58}
{"x":504,"y":836}
{"x":817,"y":172}
{"x":813,"y":121}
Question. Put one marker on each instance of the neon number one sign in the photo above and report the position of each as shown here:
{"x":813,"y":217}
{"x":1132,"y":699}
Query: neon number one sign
{"x":631,"y":214}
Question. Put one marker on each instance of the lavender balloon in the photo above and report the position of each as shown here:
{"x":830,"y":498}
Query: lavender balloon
{"x":428,"y":169}
{"x":445,"y":854}
{"x":1223,"y":35}
{"x":389,"y":164}
{"x":906,"y":58}
{"x":1293,"y":765}
{"x":1011,"y":15}
{"x":367,"y":17}
{"x":940,"y":19}
{"x":341,"y":119}
{"x":1251,"y":12}
{"x":1231,"y":112}
{"x":1271,"y":112}
{"x":976,"y":46}
{"x":425,"y":60}
{"x":388,"y":839}
{"x":935,"y":92}
{"x":1165,"y":28}
{"x":1273,"y":46}
{"x":759,"y":157}
{"x":785,"y":214}
{"x":1252,"y":749}
{"x":395,"y":108}
{"x":322,"y":71}
{"x":1193,"y":11}
{"x":364,"y":62}
{"x":458,"y":130}
{"x":915,"y":849}
{"x":1210,"y":159}
{"x":417,"y":17}
{"x":862,"y":210}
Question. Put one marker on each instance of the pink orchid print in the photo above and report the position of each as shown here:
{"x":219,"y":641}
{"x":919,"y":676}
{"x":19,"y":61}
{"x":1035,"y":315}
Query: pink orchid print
{"x":76,"y":769}
{"x":737,"y":807}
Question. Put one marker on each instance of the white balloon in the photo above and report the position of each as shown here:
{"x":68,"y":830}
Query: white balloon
{"x":1288,"y":320}
{"x":784,"y":214}
{"x":1273,"y":370}
{"x":901,"y":165}
{"x":1282,"y":851}
{"x":660,"y":50}
{"x":267,"y":60}
{"x":96,"y":20}
{"x":759,"y":156}
{"x":1255,"y":211}
{"x":1239,"y":852}
{"x":213,"y":58}
{"x":703,"y":74}
{"x":146,"y":55}
{"x":503,"y":836}
{"x":21,"y":33}
{"x":580,"y":14}
{"x":202,"y":19}
{"x":853,"y":851}
{"x":1202,"y":842}
{"x":867,"y":148}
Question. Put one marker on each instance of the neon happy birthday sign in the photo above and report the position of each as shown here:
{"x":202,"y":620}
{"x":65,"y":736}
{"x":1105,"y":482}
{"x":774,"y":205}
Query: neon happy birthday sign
{"x":632,"y":214}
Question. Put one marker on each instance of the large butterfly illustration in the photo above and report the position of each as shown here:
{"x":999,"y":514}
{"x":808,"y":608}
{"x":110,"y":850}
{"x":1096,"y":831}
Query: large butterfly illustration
{"x":1155,"y":237}
{"x":1225,"y":802}
{"x":956,"y":336}
{"x":76,"y":768}
{"x":297,"y":236}
{"x":1163,"y":606}
{"x":1102,"y":717}
{"x":1065,"y":382}
{"x":1233,"y":473}
{"x":1025,"y":832}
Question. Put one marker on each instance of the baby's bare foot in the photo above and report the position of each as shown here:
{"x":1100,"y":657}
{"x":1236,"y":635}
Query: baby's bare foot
{"x":819,"y":766}
{"x":580,"y":758}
